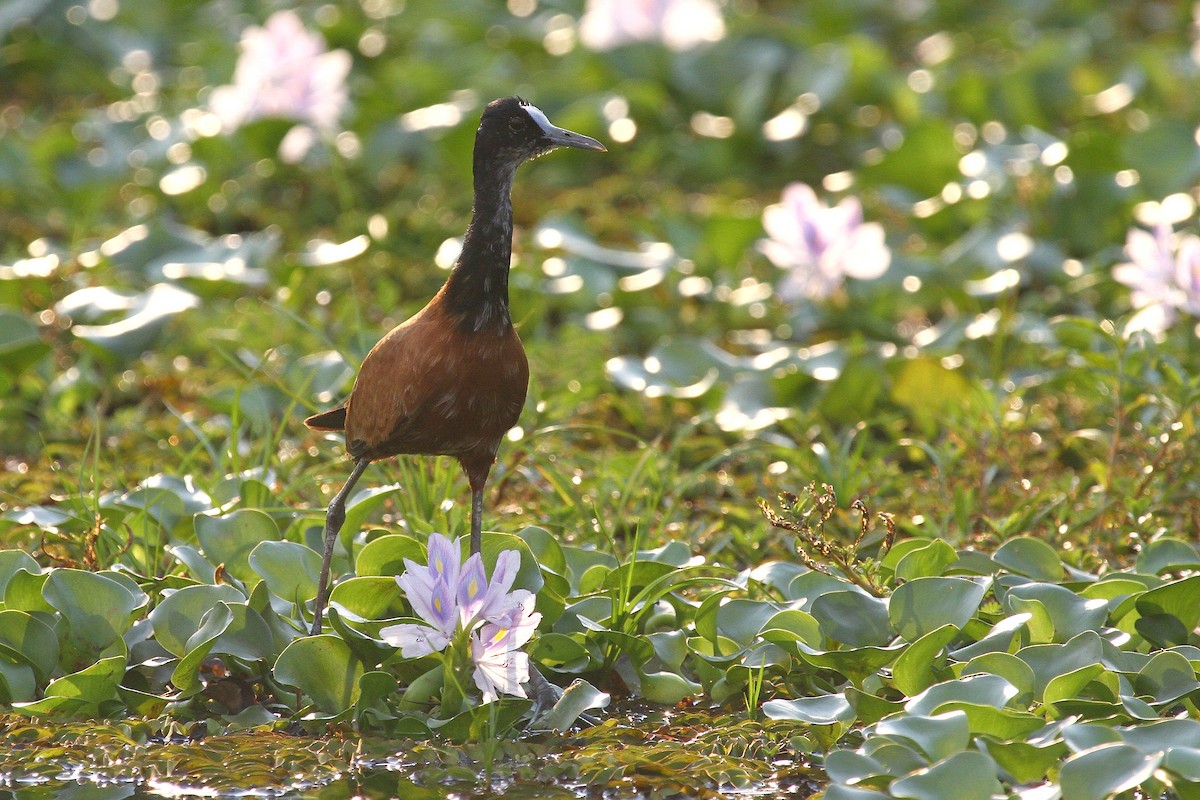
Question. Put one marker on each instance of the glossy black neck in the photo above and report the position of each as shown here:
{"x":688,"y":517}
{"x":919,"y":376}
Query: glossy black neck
{"x":477,"y":290}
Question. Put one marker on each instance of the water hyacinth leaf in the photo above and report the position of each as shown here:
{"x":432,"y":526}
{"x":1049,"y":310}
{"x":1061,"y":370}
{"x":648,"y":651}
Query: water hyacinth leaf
{"x":930,"y":559}
{"x":853,"y":766}
{"x":928,"y":390}
{"x":938,"y":736}
{"x":1166,"y":678}
{"x":559,"y":652}
{"x":289,"y":569}
{"x":1162,"y":630}
{"x":178,"y":615}
{"x":13,"y":560}
{"x":1007,"y":666}
{"x":793,"y":625}
{"x":1106,"y":770}
{"x":230,"y":538}
{"x":1162,"y":735}
{"x":1030,"y":557}
{"x":361,"y":504}
{"x":870,"y":708}
{"x":24,"y":592}
{"x":197,"y":565}
{"x":545,"y":549}
{"x":26,"y":639}
{"x":826,"y":709}
{"x":668,"y":688}
{"x":1180,"y":598}
{"x":529,"y":575}
{"x":741,"y":619}
{"x":96,"y":608}
{"x":367,"y":597}
{"x":857,"y":663}
{"x":578,"y":698}
{"x":996,"y":640}
{"x":84,"y":691}
{"x":840,"y":791}
{"x":1166,"y":554}
{"x":1068,"y":686}
{"x":986,"y":690}
{"x":1024,"y":761}
{"x":1066,"y":613}
{"x":385,"y":555}
{"x":144,"y":315}
{"x":682,"y":368}
{"x":963,"y":776}
{"x":916,"y":668}
{"x":750,"y":404}
{"x":20,"y":344}
{"x":776,"y":574}
{"x":480,"y":722}
{"x":18,"y":684}
{"x":324,"y":669}
{"x":852,"y":618}
{"x":1051,"y":660}
{"x":1183,"y":762}
{"x":925,"y":604}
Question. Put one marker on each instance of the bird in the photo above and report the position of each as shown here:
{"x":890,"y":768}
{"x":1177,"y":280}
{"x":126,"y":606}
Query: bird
{"x":451,"y":380}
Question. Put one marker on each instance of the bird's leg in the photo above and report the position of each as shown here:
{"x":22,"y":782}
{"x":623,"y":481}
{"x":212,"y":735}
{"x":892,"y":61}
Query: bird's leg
{"x":476,"y":519}
{"x":334,"y":517}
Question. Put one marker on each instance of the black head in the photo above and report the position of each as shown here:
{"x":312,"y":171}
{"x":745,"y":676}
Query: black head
{"x":513,"y":131}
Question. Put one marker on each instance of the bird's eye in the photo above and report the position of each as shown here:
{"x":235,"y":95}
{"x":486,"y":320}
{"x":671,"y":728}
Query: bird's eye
{"x":514,"y":124}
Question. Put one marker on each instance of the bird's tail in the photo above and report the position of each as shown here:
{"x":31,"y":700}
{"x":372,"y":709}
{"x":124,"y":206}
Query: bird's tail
{"x":334,"y":420}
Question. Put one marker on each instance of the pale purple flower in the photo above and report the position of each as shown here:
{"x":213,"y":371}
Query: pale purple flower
{"x":285,"y":71}
{"x":679,"y":24}
{"x":820,"y":246}
{"x":455,"y":599}
{"x":500,"y":665}
{"x":1164,"y":274}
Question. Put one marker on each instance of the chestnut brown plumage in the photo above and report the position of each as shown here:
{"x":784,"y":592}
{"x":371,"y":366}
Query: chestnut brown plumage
{"x":452,"y":379}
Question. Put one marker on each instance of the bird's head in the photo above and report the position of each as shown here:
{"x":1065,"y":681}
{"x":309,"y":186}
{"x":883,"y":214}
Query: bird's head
{"x":513,"y":130}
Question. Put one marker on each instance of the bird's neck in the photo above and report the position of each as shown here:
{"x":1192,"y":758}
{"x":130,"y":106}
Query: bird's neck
{"x":477,"y":290}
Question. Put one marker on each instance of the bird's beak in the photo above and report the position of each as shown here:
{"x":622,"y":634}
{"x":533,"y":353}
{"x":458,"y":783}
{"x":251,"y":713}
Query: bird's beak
{"x":561,"y":137}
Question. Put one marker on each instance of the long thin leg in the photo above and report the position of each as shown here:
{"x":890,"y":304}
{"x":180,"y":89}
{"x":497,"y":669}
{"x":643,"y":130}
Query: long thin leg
{"x":334,"y":517}
{"x":476,"y":519}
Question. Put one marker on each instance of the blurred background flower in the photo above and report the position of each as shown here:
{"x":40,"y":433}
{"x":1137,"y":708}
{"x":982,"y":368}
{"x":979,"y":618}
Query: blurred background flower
{"x":679,"y":24}
{"x":820,"y":246}
{"x":1164,"y":273}
{"x":285,"y":71}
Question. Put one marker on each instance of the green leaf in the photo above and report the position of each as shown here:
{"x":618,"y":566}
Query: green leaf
{"x":230,"y":538}
{"x":80,"y":692}
{"x":385,"y":555}
{"x":323,"y":668}
{"x":1180,"y":598}
{"x":852,"y":618}
{"x":926,"y":604}
{"x":578,"y":698}
{"x":20,"y":344}
{"x":915,"y":669}
{"x":368,"y":598}
{"x":13,"y":560}
{"x":178,"y":615}
{"x":668,"y":688}
{"x":1167,"y":677}
{"x":26,"y":639}
{"x":930,"y":559}
{"x":1103,"y":771}
{"x":97,"y":609}
{"x":938,"y":736}
{"x":826,"y":709}
{"x":963,"y":776}
{"x":290,"y":569}
{"x":986,"y":690}
{"x":1167,"y":554}
{"x":1066,"y":613}
{"x":1030,"y":557}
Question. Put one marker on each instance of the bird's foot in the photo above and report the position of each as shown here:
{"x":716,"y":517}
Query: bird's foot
{"x":544,"y":693}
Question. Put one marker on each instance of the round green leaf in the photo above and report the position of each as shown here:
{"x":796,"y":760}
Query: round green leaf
{"x":230,"y":538}
{"x":97,"y":609}
{"x":963,"y":776}
{"x":926,"y":604}
{"x":290,"y":569}
{"x":1030,"y":557}
{"x":1103,"y":771}
{"x":938,"y":736}
{"x":178,"y":616}
{"x":324,"y":669}
{"x":852,"y":618}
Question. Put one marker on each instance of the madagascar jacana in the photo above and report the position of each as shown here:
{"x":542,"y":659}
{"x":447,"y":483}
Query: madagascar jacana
{"x":452,"y":379}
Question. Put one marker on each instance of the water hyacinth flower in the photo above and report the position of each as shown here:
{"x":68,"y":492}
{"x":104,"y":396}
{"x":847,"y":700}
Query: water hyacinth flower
{"x":1164,"y":273}
{"x":679,"y":24}
{"x":460,"y":607}
{"x":285,"y":71}
{"x":820,"y":246}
